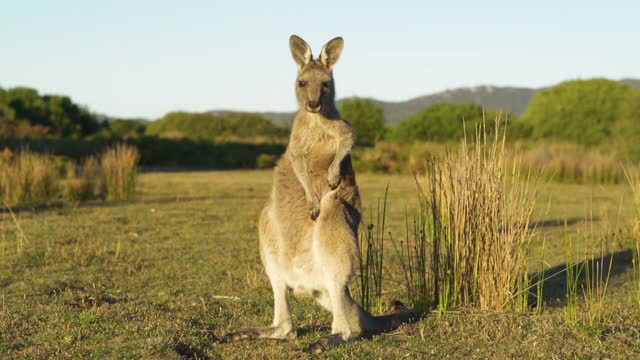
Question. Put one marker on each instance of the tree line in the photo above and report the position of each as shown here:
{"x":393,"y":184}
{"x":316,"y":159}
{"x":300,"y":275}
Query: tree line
{"x":592,"y":112}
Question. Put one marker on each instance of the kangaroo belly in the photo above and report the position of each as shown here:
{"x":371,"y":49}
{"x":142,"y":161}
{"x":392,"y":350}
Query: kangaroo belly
{"x":336,"y":228}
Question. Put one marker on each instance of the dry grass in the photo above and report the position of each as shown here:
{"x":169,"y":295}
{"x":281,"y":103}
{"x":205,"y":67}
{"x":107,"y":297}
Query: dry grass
{"x":85,"y":182}
{"x":119,"y":165}
{"x":475,"y":223}
{"x":166,"y":275}
{"x":633,"y":177}
{"x":572,"y":163}
{"x":558,"y":162}
{"x":26,"y":177}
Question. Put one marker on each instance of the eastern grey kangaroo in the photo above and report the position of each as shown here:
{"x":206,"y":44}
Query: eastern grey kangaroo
{"x":309,"y":226}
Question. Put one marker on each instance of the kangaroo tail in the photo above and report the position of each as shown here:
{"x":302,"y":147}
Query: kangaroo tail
{"x":382,"y":323}
{"x":388,"y":322}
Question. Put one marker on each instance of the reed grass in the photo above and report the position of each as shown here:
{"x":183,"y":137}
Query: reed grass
{"x":595,"y":288}
{"x":486,"y":221}
{"x":26,"y":177}
{"x":633,"y":178}
{"x":413,"y":254}
{"x":29,"y":178}
{"x":573,"y":270}
{"x":469,"y":241}
{"x":540,"y":278}
{"x":371,"y":258}
{"x":119,"y":165}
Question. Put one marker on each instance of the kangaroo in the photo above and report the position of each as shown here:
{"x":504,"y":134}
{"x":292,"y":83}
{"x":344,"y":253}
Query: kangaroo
{"x":308,"y":229}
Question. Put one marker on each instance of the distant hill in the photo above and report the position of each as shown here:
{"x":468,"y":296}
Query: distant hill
{"x":511,"y":99}
{"x":634,"y":83}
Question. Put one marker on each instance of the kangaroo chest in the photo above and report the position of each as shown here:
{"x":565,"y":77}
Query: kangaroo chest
{"x":318,"y":144}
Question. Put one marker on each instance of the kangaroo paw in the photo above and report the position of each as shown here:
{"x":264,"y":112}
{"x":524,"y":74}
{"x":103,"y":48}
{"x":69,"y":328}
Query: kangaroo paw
{"x":314,"y":209}
{"x":334,"y":181}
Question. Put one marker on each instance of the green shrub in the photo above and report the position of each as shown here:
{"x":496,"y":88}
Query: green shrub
{"x":156,"y":151}
{"x":266,"y":161}
{"x":627,"y":128}
{"x":123,"y":128}
{"x":581,"y":111}
{"x":367,"y":119}
{"x":208,"y":126}
{"x":58,"y":115}
{"x":442,"y":122}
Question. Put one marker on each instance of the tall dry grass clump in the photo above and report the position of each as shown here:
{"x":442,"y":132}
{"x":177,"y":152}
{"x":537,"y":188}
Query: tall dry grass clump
{"x":571,"y":163}
{"x":85,"y":182}
{"x":26,"y":177}
{"x":470,"y":238}
{"x":633,"y":177}
{"x":119,"y":164}
{"x":29,"y":178}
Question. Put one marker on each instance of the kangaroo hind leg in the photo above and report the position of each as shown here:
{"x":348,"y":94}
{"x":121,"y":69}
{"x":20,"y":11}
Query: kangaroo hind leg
{"x":282,"y":326}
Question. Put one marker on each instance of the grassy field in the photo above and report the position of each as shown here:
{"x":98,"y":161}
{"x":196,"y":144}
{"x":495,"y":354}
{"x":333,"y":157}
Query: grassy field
{"x":167,"y":275}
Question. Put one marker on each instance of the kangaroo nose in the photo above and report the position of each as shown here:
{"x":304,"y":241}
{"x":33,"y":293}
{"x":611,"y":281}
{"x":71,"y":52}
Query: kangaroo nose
{"x":314,"y":103}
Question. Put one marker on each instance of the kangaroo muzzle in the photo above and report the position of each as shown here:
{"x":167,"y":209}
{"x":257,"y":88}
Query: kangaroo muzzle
{"x":314,"y":106}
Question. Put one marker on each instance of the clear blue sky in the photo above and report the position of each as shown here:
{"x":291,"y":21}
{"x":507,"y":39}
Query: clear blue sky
{"x":145,"y":58}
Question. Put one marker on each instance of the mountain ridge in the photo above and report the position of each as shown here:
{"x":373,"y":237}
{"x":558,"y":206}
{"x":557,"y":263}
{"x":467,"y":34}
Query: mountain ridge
{"x":508,"y":98}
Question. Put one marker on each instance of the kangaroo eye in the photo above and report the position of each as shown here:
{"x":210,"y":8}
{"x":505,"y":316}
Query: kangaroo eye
{"x":325,"y":85}
{"x":302,"y":83}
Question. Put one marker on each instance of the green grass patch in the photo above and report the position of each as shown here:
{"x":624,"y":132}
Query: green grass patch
{"x":167,"y":274}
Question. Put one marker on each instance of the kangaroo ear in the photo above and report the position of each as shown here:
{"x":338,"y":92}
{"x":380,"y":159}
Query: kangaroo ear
{"x":300,"y":50}
{"x":331,"y":52}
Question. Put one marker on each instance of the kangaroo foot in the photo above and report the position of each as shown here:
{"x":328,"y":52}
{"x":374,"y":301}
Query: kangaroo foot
{"x":325,"y":343}
{"x":271,"y":332}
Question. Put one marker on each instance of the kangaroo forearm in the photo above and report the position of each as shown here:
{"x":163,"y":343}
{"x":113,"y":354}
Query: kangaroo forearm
{"x":340,"y":155}
{"x":344,"y":149}
{"x":302,"y":173}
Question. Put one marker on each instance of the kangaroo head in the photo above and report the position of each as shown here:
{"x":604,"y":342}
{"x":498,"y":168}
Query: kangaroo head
{"x":315,"y":88}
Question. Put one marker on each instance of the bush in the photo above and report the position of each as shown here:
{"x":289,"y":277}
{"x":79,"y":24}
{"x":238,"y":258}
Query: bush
{"x":266,"y":161}
{"x":386,"y":157}
{"x":581,"y":111}
{"x":367,"y":119}
{"x":211,"y":127}
{"x":627,"y":129}
{"x":156,"y":151}
{"x":442,"y":122}
{"x":122,"y":128}
{"x":59,"y":115}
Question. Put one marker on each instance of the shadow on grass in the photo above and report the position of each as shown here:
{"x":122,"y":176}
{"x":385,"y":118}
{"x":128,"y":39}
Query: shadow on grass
{"x":61,"y":205}
{"x":555,"y":286}
{"x":560,"y":222}
{"x":188,"y":351}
